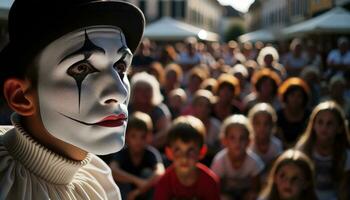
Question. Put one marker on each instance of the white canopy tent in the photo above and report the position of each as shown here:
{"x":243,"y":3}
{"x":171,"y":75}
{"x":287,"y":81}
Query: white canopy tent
{"x":4,"y":8}
{"x":337,"y":20}
{"x":170,"y":29}
{"x":262,"y":35}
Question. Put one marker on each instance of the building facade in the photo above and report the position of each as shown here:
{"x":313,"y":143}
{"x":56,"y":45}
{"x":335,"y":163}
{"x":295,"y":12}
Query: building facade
{"x":206,"y":14}
{"x":319,"y":6}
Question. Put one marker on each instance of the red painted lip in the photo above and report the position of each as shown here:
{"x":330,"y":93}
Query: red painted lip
{"x":112,"y":121}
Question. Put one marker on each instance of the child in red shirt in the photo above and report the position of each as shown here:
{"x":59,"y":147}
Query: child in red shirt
{"x":186,"y":178}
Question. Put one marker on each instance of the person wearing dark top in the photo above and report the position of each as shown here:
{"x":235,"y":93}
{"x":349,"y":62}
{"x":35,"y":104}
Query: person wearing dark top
{"x":293,"y":117}
{"x":137,"y":167}
{"x":226,"y":91}
{"x":142,"y":58}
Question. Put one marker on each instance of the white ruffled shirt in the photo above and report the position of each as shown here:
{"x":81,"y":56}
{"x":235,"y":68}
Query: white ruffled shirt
{"x":28,"y":171}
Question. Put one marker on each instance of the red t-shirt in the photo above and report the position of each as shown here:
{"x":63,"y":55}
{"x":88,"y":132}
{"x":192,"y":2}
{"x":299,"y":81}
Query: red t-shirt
{"x":205,"y":187}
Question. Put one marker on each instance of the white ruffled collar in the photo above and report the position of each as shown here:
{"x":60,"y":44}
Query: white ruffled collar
{"x":41,"y":161}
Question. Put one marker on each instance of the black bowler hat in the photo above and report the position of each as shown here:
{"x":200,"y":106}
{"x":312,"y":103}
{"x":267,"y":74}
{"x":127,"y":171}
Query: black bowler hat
{"x":33,"y":24}
{"x":39,"y":22}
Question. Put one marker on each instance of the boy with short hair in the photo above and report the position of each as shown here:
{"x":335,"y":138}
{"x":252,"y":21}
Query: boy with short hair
{"x":238,"y":168}
{"x":138,"y":166}
{"x":63,"y":73}
{"x":186,"y":178}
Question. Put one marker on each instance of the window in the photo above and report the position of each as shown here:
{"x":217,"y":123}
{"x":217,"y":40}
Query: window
{"x":160,"y":8}
{"x":178,"y":9}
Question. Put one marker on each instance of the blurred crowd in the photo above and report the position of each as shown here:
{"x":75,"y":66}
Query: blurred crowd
{"x":273,"y":121}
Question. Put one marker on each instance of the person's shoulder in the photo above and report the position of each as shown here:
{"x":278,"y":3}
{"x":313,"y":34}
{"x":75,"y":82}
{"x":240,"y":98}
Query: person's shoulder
{"x":254,"y":160}
{"x":220,"y":155}
{"x":207,"y":174}
{"x":277,"y":143}
{"x":98,"y":171}
{"x":151,"y":151}
{"x":333,"y":53}
{"x":167,"y":176}
{"x":4,"y":129}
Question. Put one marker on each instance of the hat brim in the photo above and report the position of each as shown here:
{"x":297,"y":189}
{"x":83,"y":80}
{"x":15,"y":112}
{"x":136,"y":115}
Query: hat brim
{"x":46,"y":25}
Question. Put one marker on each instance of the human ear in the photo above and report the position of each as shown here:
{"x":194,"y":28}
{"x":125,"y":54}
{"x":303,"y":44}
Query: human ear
{"x":203,"y":151}
{"x":169,"y":153}
{"x":19,"y":97}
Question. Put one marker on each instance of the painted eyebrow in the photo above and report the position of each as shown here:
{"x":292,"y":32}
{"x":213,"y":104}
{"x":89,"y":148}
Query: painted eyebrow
{"x":87,"y":49}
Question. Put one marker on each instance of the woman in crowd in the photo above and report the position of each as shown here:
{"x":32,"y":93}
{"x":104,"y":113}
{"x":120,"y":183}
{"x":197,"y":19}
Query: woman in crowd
{"x":292,"y":117}
{"x":326,"y":142}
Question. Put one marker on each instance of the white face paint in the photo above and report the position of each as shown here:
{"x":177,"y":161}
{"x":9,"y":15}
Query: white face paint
{"x":83,"y":89}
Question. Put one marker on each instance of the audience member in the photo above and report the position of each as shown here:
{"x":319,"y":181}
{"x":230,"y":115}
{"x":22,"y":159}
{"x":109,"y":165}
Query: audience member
{"x":265,"y":83}
{"x":186,"y":178}
{"x":238,"y":168}
{"x":292,"y":117}
{"x":137,"y":167}
{"x":295,"y":59}
{"x":263,"y":119}
{"x":228,"y":88}
{"x":146,"y":97}
{"x":326,"y":142}
{"x":291,"y":177}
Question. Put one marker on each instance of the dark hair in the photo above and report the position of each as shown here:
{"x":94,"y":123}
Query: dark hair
{"x":265,"y":74}
{"x":228,"y":80}
{"x":141,"y":121}
{"x":22,"y":66}
{"x":291,"y":85}
{"x":187,"y":129}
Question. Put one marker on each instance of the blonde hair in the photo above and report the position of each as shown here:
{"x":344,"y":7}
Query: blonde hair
{"x":266,"y":51}
{"x":235,"y":120}
{"x":299,"y":159}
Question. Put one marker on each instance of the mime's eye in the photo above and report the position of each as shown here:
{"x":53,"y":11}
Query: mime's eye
{"x":81,"y":69}
{"x":120,"y":67}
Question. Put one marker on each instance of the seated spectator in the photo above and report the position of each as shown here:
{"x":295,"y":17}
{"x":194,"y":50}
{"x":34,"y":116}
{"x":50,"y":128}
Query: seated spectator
{"x":338,"y":60}
{"x":263,"y":119}
{"x":251,"y":66}
{"x":241,"y":73}
{"x":292,"y":117}
{"x":177,"y":98}
{"x":137,"y":167}
{"x":143,"y":57}
{"x":238,"y":168}
{"x":269,"y":58}
{"x":291,"y":177}
{"x":209,"y":84}
{"x":295,"y":60}
{"x":265,"y":83}
{"x":167,"y":55}
{"x":311,"y":75}
{"x":186,"y":178}
{"x":195,"y":78}
{"x":337,"y":88}
{"x":190,"y":56}
{"x":157,"y":70}
{"x":312,"y":56}
{"x":227,"y":90}
{"x":326,"y":142}
{"x":146,"y":97}
{"x":173,"y":78}
{"x":202,"y":105}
